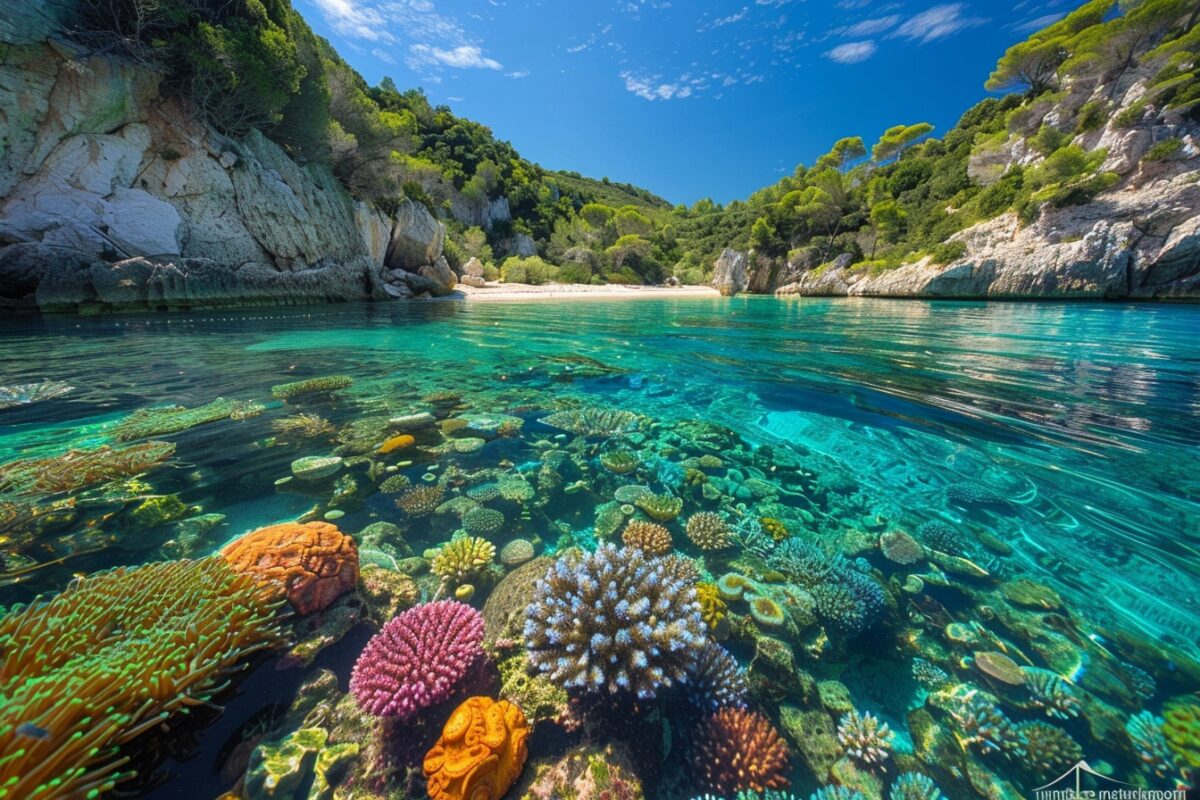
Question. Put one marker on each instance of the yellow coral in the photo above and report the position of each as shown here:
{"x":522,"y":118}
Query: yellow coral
{"x":775,"y":528}
{"x":480,"y":753}
{"x":1181,"y":728}
{"x":463,"y":557}
{"x":712,"y":606}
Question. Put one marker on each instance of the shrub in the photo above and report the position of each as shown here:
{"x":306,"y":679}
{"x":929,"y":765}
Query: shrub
{"x":948,"y":252}
{"x":1092,"y":116}
{"x":532,"y":270}
{"x":1049,"y":139}
{"x":1164,"y":150}
{"x":1132,"y":116}
{"x":575,"y":273}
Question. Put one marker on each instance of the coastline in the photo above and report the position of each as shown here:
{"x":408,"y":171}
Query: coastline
{"x":512,"y":292}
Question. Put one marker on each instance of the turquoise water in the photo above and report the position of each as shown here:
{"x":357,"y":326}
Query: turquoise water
{"x":1059,"y":441}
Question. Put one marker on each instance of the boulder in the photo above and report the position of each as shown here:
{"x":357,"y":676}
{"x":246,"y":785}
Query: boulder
{"x":440,"y":274}
{"x":729,"y":272}
{"x":473,"y":268}
{"x":471,"y":280}
{"x":23,"y":265}
{"x":416,"y":239}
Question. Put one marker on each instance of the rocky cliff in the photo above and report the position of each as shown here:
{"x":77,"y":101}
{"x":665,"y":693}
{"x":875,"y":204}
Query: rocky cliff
{"x":113,"y":195}
{"x":1139,"y":240}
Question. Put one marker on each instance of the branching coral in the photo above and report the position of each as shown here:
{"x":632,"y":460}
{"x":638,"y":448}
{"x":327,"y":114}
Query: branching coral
{"x":1052,"y":692}
{"x":77,"y":469}
{"x":941,"y":536}
{"x":837,"y":792}
{"x":864,"y":737}
{"x":982,"y":723}
{"x":113,"y":656}
{"x":305,"y":426}
{"x":649,"y":537}
{"x":417,"y":659}
{"x":914,"y":786}
{"x":1146,"y":734}
{"x":715,"y":680}
{"x":332,"y":383}
{"x":736,"y":750}
{"x":708,"y":531}
{"x":1048,"y":750}
{"x":614,"y":621}
{"x":712,"y":605}
{"x":462,"y":558}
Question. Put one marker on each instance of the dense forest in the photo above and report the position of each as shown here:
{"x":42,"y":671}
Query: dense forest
{"x":256,"y":64}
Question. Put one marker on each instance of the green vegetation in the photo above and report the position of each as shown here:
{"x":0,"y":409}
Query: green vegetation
{"x":256,"y":64}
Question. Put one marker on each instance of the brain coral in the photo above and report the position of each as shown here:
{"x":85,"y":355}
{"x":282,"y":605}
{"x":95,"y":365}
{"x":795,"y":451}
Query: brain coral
{"x":650,"y":537}
{"x":314,"y":562}
{"x":737,"y":750}
{"x":71,"y":668}
{"x":480,"y":753}
{"x":417,"y":659}
{"x":616,"y":621}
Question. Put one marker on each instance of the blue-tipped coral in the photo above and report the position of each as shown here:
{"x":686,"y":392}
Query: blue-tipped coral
{"x":928,"y":674}
{"x":614,"y":621}
{"x":915,"y":786}
{"x":983,"y":724}
{"x":1051,"y":692}
{"x":864,"y":737}
{"x":715,"y":680}
{"x":1146,"y":733}
{"x":835,"y":792}
{"x":847,"y":599}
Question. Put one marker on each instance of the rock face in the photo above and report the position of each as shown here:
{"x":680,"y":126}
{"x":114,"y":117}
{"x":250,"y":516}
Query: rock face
{"x":113,"y":196}
{"x":729,"y":275}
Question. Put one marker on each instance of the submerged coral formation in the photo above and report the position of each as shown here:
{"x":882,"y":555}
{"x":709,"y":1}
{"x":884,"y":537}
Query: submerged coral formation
{"x":708,"y":531}
{"x":147,"y":422}
{"x":314,"y":562}
{"x":736,"y":750}
{"x":326,"y":385}
{"x":417,"y":659}
{"x":649,"y":537}
{"x":593,"y":421}
{"x":462,"y":558}
{"x":77,"y":469}
{"x":864,"y":737}
{"x":76,"y":684}
{"x":480,"y":753}
{"x":716,"y":680}
{"x":614,"y":621}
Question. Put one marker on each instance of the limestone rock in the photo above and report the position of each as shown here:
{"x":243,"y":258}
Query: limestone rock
{"x":416,"y":239}
{"x":440,"y":274}
{"x":473,"y":268}
{"x":471,"y":280}
{"x":729,"y":273}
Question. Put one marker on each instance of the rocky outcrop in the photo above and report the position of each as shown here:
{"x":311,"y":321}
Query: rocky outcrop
{"x":729,"y":273}
{"x":114,"y":196}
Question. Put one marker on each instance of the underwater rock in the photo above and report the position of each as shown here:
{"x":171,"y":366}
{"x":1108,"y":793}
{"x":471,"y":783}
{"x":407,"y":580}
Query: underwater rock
{"x":412,"y":422}
{"x":813,"y":738}
{"x":316,"y":468}
{"x":594,"y":421}
{"x":516,"y":553}
{"x":385,"y":592}
{"x":588,"y":772}
{"x":314,"y":562}
{"x":504,"y":611}
{"x":999,"y":667}
{"x":302,"y":761}
{"x":480,"y":753}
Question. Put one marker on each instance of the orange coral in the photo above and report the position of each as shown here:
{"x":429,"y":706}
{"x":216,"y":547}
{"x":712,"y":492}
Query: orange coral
{"x":739,"y":750}
{"x":400,"y":442}
{"x":480,"y":753}
{"x":315,"y":562}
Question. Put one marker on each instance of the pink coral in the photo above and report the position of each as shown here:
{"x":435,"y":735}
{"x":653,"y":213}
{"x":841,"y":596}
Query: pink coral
{"x":417,"y":659}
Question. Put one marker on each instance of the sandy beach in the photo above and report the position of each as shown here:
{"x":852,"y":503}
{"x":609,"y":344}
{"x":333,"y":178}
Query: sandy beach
{"x":508,"y":292}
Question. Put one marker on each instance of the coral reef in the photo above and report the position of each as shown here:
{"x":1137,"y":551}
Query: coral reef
{"x":766,"y":612}
{"x":516,"y":552}
{"x":900,"y":548}
{"x":708,"y":531}
{"x":417,"y":659}
{"x":914,"y":786}
{"x":593,"y":421}
{"x":76,"y":684}
{"x":462,"y":558}
{"x":326,"y":385}
{"x":619,"y":462}
{"x":712,"y":605}
{"x":775,"y":528}
{"x":1181,"y":728}
{"x":401,"y":441}
{"x":939,"y":535}
{"x":615,"y":621}
{"x":147,"y":422}
{"x":864,"y":737}
{"x":736,"y":749}
{"x":304,"y":426}
{"x":649,"y":537}
{"x":1052,"y":692}
{"x":482,"y":521}
{"x":1048,"y":750}
{"x":480,"y":753}
{"x":25,"y":393}
{"x":1146,"y":733}
{"x":77,"y":469}
{"x":314,"y":562}
{"x":982,"y":723}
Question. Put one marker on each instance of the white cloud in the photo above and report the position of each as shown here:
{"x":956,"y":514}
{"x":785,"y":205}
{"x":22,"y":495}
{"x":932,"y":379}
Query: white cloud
{"x":869,"y":27}
{"x":521,"y":73}
{"x":721,"y":22}
{"x":649,"y":88}
{"x":383,"y":56}
{"x":467,"y":56}
{"x":1037,"y":24}
{"x":354,"y":20}
{"x":938,"y":23}
{"x":851,"y":52}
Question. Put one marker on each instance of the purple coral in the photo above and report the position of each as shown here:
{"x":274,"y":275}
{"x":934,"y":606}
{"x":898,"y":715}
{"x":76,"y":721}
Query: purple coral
{"x":615,"y":620}
{"x":417,"y":659}
{"x":715,"y":680}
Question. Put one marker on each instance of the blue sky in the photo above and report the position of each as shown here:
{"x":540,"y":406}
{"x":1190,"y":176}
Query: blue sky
{"x":687,"y":99}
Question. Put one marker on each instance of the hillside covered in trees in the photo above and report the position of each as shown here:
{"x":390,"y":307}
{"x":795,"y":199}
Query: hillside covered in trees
{"x":255,"y":64}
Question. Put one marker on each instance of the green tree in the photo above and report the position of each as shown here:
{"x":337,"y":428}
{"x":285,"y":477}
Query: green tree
{"x":1033,"y":64}
{"x":898,"y":138}
{"x":888,"y":218}
{"x":762,"y":235}
{"x":844,"y":153}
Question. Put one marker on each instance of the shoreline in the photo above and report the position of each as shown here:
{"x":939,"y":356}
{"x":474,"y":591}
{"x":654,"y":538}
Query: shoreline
{"x":505,"y":292}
